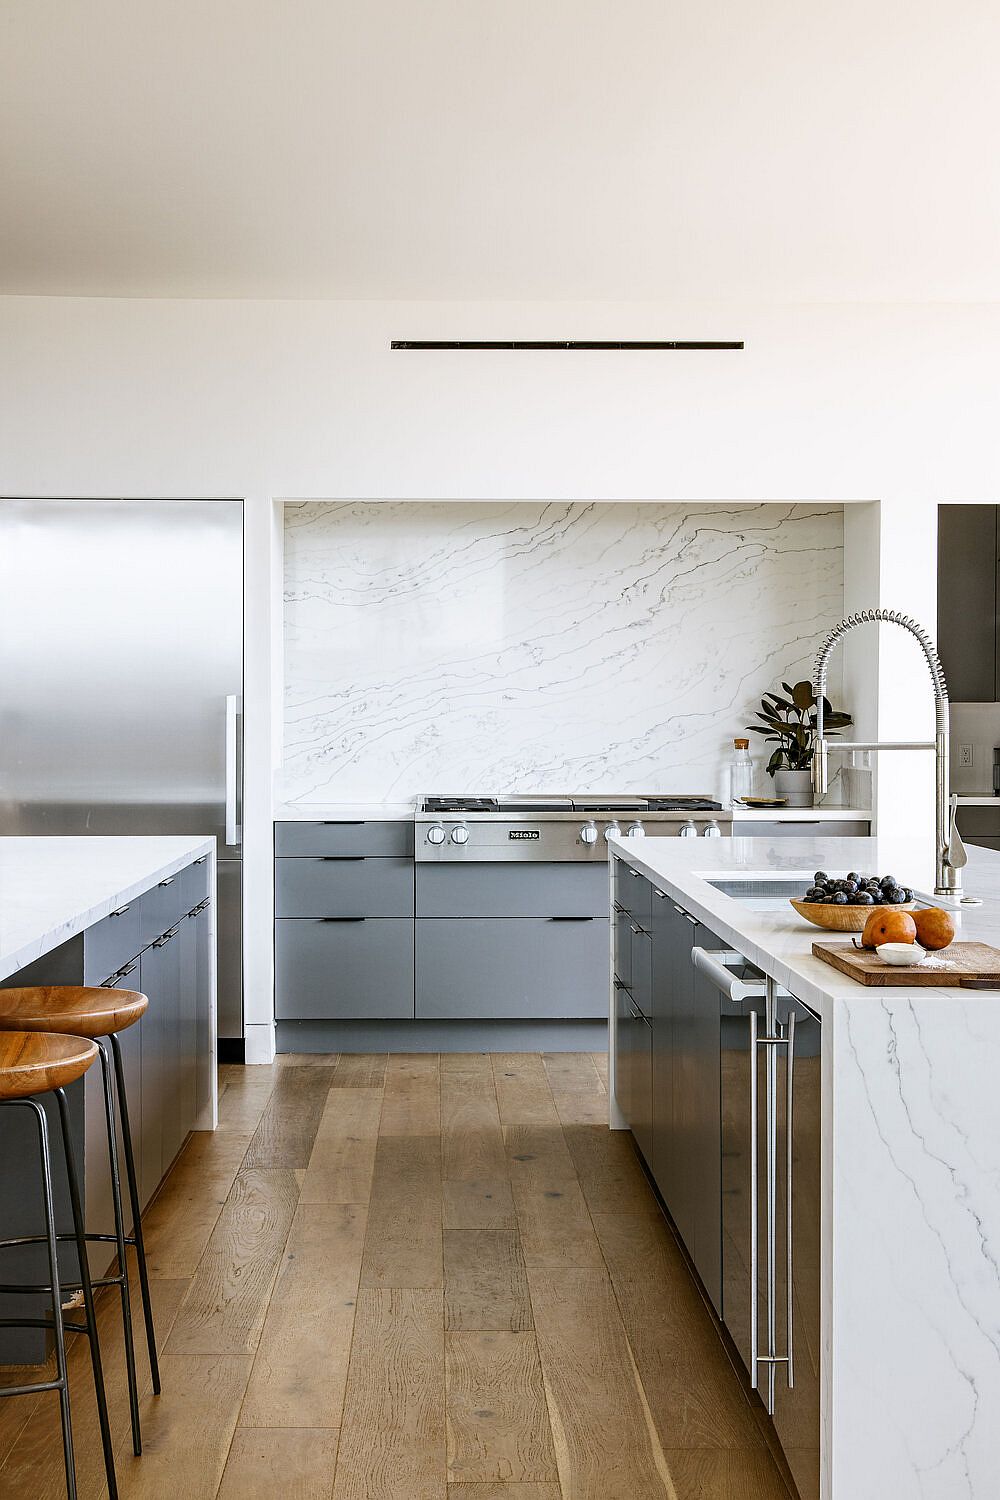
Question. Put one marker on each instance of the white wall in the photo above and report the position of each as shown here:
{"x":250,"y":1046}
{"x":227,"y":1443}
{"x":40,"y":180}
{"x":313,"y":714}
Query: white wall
{"x":304,"y":400}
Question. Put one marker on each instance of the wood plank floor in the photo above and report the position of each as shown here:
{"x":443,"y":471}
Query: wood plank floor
{"x":412,"y":1278}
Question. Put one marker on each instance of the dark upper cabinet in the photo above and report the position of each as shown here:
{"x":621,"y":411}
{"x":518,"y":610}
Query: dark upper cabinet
{"x":967,"y":601}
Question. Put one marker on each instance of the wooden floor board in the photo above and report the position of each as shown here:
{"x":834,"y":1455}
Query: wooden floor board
{"x":343,"y":1155}
{"x":572,"y":1072}
{"x":472,"y":1144}
{"x":485,"y":1287}
{"x":284,"y":1138}
{"x":266,"y":1463}
{"x":478,"y":1205}
{"x":498,"y":1426}
{"x":360,"y":1070}
{"x":224,"y":1310}
{"x":300,"y":1369}
{"x":606,"y":1445}
{"x":179,"y":1222}
{"x":392,"y":1443}
{"x":555,"y":1226}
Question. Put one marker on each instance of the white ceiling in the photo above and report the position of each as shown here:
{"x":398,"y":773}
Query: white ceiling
{"x":501,"y":149}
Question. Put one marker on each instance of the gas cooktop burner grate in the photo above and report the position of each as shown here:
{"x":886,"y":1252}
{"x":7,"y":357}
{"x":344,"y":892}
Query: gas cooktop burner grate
{"x":635,"y":804}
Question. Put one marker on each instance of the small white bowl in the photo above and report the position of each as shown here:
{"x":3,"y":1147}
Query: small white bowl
{"x":903,"y":955}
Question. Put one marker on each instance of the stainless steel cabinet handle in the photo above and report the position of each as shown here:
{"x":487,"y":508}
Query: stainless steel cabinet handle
{"x":121,"y":911}
{"x":129,"y":969}
{"x":711,"y":965}
{"x":753,"y":1200}
{"x":161,"y":942}
{"x":790,"y":1063}
{"x":232,"y":767}
{"x":169,"y":880}
{"x":343,"y":859}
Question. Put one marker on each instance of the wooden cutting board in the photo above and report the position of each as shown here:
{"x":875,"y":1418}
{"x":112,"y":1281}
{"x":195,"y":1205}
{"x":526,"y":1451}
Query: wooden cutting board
{"x":948,"y":966}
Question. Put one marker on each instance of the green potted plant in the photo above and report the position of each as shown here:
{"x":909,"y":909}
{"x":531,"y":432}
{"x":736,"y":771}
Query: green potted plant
{"x":790,"y":723}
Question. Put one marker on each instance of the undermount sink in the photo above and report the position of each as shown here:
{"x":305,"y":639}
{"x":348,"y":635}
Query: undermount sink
{"x":762,"y":893}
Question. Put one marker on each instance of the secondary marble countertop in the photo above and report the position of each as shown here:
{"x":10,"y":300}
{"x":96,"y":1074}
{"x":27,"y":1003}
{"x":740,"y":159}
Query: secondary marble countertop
{"x":910,"y":1195}
{"x":53,"y":888}
{"x":779,"y":941}
{"x":344,"y":812}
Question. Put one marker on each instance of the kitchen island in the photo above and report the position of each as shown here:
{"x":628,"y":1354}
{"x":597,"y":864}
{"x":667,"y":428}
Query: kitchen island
{"x":133,"y":913}
{"x":908,"y":1144}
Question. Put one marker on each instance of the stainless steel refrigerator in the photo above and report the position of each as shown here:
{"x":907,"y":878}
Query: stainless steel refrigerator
{"x":121,"y":681}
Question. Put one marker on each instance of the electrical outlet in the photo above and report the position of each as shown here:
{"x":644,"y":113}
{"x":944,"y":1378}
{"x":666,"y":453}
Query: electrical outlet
{"x":965,"y":755}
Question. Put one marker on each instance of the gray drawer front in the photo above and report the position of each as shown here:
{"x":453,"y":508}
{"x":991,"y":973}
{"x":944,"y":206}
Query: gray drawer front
{"x":633,"y":892}
{"x":343,"y":970}
{"x":376,"y":837}
{"x":804,"y":828}
{"x":193,"y":882}
{"x":509,"y":968}
{"x":548,"y":890}
{"x":108,"y":945}
{"x":343,"y":887}
{"x":161,"y":907}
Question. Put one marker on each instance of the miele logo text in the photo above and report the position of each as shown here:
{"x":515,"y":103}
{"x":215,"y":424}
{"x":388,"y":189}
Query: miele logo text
{"x":523,"y":833}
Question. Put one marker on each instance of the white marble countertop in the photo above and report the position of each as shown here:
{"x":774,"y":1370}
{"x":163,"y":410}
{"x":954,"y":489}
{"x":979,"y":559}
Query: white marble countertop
{"x":53,"y":888}
{"x":343,"y":812}
{"x":778,"y":940}
{"x":910,"y":1191}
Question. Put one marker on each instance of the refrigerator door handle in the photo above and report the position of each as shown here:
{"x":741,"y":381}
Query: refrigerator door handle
{"x":233,"y":830}
{"x":789,"y":1066}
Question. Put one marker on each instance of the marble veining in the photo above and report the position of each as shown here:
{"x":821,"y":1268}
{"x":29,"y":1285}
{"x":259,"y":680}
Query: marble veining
{"x":911,"y":1177}
{"x":525,"y":647}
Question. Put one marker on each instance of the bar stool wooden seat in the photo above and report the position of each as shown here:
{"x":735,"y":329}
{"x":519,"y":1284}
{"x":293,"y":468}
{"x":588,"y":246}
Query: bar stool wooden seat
{"x":34,"y":1063}
{"x":98,"y":1014}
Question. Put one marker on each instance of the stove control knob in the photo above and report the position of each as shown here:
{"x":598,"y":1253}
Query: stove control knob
{"x":689,"y":829}
{"x":635,"y":830}
{"x":712,"y":830}
{"x":612,"y":828}
{"x":588,"y":833}
{"x":436,"y":834}
{"x":460,"y":834}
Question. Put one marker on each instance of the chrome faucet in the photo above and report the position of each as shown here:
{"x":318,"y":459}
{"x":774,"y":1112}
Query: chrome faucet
{"x":949,"y":851}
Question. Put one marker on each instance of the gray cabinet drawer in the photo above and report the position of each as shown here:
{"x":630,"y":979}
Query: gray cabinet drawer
{"x":803,"y":828}
{"x":526,"y":968}
{"x":161,"y":907}
{"x":633,"y":892}
{"x":351,"y":886}
{"x":374,"y":837}
{"x":108,"y":945}
{"x":340,"y":971}
{"x":542,"y":890}
{"x":193,"y":882}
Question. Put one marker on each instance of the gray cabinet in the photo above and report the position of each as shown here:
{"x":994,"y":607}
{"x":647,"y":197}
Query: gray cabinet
{"x":633,"y":1068}
{"x":846,"y":828}
{"x":512,"y":967}
{"x":159,"y":980}
{"x":967,"y":601}
{"x":484,"y":890}
{"x":343,"y":934}
{"x":356,"y":968}
{"x":343,"y":886}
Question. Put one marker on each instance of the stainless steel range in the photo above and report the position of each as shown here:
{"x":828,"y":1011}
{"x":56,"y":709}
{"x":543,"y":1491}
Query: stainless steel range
{"x":554,"y":829}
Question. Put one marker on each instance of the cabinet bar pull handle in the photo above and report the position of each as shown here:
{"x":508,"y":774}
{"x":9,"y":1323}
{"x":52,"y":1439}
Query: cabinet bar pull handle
{"x":753,"y":1199}
{"x":789,"y":1064}
{"x":574,"y":919}
{"x":121,"y":911}
{"x":342,"y":859}
{"x":343,"y":823}
{"x":169,"y":880}
{"x":343,"y":919}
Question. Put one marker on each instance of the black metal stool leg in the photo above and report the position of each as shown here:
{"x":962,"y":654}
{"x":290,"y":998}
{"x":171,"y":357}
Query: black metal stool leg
{"x":88,"y":1296}
{"x":62,"y":1374}
{"x":133,"y":1192}
{"x":116,"y":1194}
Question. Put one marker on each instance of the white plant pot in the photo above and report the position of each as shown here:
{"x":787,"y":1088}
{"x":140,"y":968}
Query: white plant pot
{"x":795,"y":786}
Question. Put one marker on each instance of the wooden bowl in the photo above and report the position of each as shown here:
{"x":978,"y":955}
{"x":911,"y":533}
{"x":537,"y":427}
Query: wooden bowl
{"x":837,"y":918}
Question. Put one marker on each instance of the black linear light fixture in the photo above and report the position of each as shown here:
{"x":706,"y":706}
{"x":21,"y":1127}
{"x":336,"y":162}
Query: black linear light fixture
{"x":566,"y":344}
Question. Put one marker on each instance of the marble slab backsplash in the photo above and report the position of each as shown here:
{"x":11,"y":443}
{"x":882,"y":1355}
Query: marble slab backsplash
{"x":523,"y":647}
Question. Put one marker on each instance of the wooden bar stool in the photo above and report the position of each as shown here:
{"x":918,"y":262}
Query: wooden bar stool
{"x":97,"y":1015}
{"x":33,"y":1063}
